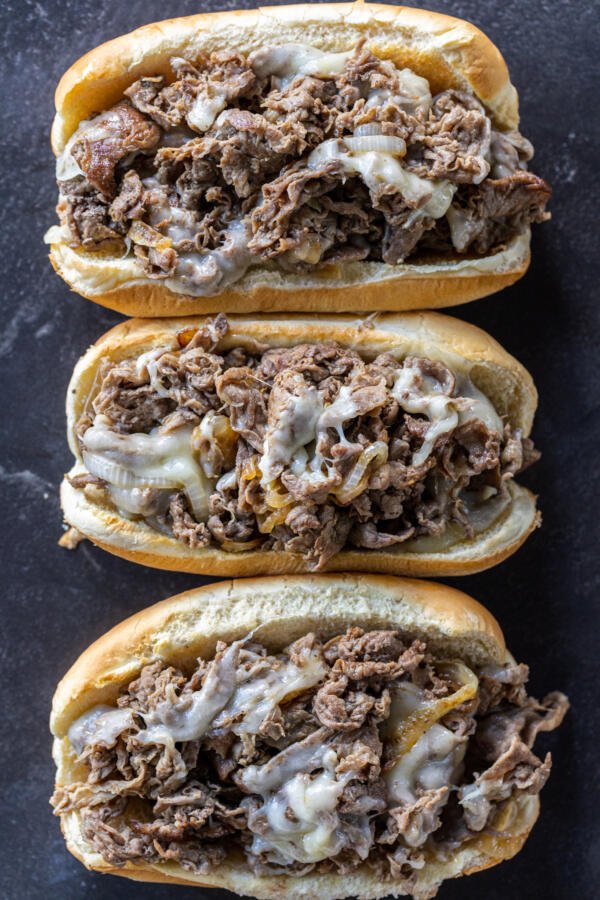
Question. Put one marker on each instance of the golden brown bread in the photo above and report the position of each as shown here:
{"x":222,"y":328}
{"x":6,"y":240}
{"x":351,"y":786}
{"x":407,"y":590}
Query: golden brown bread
{"x":449,"y":52}
{"x":281,"y":609}
{"x":462,"y":346}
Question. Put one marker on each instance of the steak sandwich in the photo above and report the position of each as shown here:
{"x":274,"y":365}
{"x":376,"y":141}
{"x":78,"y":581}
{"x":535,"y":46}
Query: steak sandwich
{"x":305,"y":736}
{"x":247,"y":446}
{"x":313,"y":157}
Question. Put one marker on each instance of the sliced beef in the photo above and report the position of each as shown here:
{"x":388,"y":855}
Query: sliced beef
{"x":303,"y":109}
{"x":246,"y":400}
{"x":189,"y":379}
{"x":233,"y":147}
{"x":129,"y":204}
{"x":316,"y":532}
{"x":199,"y":92}
{"x":85,"y":212}
{"x":129,"y":401}
{"x":456,"y":142}
{"x":109,"y":138}
{"x":287,"y":200}
{"x":194,"y":802}
{"x":485,"y":216}
{"x":184,"y":526}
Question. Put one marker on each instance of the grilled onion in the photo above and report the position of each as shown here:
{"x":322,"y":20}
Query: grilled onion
{"x":411,"y":715}
{"x":357,"y":479}
{"x":146,"y":236}
{"x":120,"y":477}
{"x":379,"y":143}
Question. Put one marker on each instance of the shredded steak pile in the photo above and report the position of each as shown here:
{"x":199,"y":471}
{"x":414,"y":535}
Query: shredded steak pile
{"x":318,"y":774}
{"x":306,"y":449}
{"x":241,"y":160}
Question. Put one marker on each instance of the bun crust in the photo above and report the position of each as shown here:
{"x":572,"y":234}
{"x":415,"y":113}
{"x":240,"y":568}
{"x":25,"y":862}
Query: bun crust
{"x":282,"y":609}
{"x":449,"y":52}
{"x":463,"y":347}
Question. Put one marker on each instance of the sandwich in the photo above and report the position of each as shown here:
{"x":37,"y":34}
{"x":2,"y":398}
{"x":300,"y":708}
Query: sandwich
{"x":307,"y":736}
{"x":323,"y":157}
{"x":246,"y":446}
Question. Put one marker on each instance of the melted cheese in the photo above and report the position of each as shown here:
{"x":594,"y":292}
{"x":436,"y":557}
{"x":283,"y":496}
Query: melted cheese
{"x":147,"y":460}
{"x":189,"y":717}
{"x":296,"y":427}
{"x":305,"y":418}
{"x":420,"y":394}
{"x":286,"y":784}
{"x":255,"y":698}
{"x":290,"y":60}
{"x":376,"y":168}
{"x":432,"y":764}
{"x":203,"y":274}
{"x":205,"y":110}
{"x":100,"y":725}
{"x":427,"y":756}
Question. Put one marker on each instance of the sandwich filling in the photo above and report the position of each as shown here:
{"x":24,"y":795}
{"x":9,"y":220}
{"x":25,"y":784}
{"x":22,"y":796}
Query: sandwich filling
{"x":306,"y":449}
{"x":368,"y":748}
{"x":294,"y":158}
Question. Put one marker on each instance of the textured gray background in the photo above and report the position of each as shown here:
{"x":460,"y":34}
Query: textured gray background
{"x":56,"y":603}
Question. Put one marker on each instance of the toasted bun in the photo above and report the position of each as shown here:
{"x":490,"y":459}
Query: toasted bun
{"x":463,"y":347}
{"x":447,"y":51}
{"x":282,"y":609}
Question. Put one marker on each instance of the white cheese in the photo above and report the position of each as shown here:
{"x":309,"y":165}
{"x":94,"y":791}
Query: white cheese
{"x":189,"y":717}
{"x":205,"y":110}
{"x":377,"y":168}
{"x":99,"y":725}
{"x":204,"y":273}
{"x":296,"y":427}
{"x":438,"y":407}
{"x":286,"y":785}
{"x":147,"y":460}
{"x":290,"y":60}
{"x":429,"y":765}
{"x":423,"y":395}
{"x":255,"y":698}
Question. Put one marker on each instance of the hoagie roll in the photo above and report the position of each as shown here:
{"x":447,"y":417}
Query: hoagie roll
{"x":324,"y":157}
{"x":331,"y":736}
{"x":249,"y":446}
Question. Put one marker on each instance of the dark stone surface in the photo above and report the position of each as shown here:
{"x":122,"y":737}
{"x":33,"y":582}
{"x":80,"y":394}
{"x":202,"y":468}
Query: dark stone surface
{"x":56,"y":603}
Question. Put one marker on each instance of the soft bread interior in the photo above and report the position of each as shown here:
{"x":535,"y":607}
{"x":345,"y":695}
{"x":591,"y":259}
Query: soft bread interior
{"x":448,"y":52}
{"x":282,"y":609}
{"x":116,"y":282}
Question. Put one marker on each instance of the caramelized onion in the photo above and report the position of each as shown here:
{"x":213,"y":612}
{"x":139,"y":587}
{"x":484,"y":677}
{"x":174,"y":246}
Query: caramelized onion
{"x":146,"y":236}
{"x":411,"y":715}
{"x":379,"y":143}
{"x":357,"y":479}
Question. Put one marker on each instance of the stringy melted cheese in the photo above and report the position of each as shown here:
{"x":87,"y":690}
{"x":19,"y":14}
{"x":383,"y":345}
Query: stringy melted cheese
{"x":420,"y":394}
{"x":305,"y":418}
{"x":99,"y":725}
